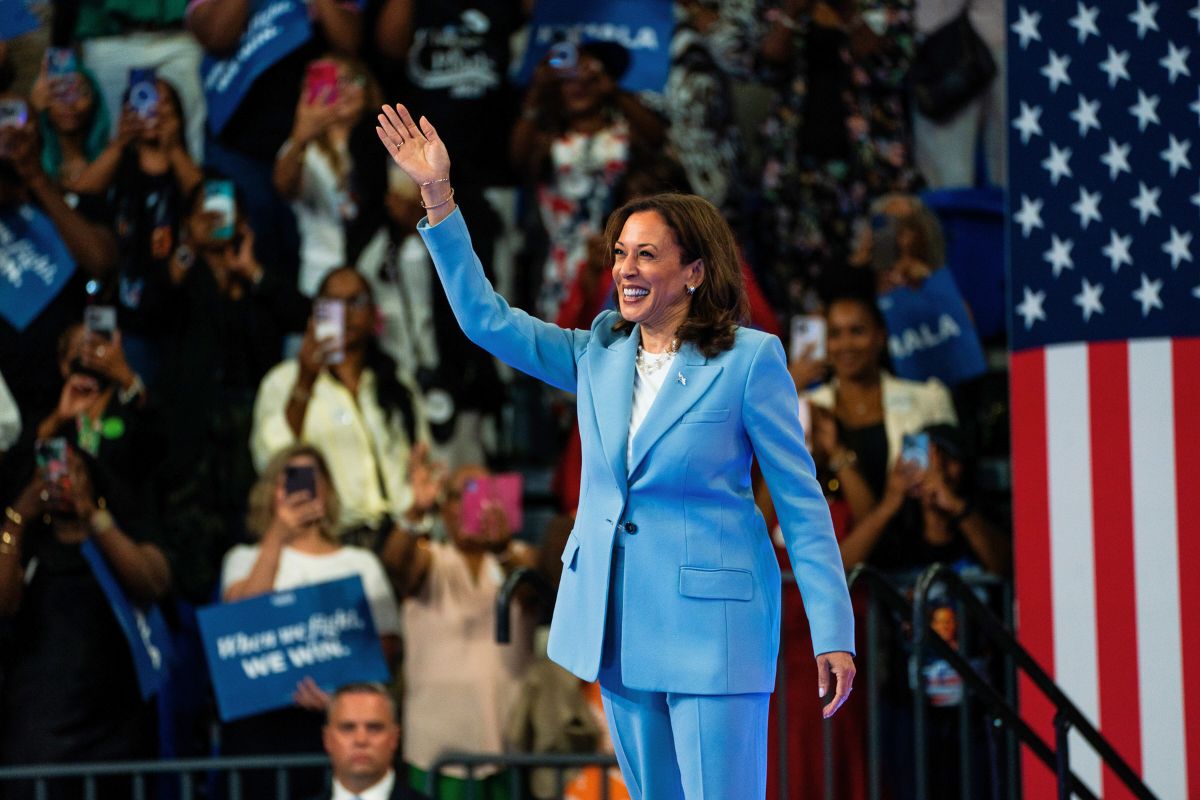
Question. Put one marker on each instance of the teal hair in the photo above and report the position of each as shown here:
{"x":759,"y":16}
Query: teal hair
{"x":98,"y":133}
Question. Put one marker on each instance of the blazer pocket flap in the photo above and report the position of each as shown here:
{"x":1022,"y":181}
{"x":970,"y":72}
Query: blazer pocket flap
{"x":716,"y":584}
{"x":710,"y":415}
{"x":568,"y":554}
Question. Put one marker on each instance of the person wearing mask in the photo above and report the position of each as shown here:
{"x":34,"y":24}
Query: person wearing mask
{"x":349,"y":399}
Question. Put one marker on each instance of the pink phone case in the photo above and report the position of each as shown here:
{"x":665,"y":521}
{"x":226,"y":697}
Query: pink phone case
{"x":503,"y":489}
{"x":322,"y":77}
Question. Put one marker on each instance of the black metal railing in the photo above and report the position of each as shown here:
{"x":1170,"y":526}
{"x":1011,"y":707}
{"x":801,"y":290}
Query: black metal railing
{"x":185,"y":778}
{"x":1001,"y":705}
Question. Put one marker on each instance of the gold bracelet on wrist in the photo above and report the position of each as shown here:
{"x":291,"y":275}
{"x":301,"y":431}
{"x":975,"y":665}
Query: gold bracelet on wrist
{"x":449,"y":197}
{"x":13,"y":516}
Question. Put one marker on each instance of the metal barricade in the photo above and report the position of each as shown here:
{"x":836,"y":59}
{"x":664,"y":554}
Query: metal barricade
{"x":182,"y":778}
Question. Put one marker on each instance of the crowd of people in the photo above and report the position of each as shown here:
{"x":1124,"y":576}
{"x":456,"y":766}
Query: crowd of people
{"x":213,"y":280}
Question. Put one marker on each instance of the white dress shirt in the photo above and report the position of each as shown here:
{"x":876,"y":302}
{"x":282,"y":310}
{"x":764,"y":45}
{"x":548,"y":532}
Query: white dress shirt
{"x":380,"y":791}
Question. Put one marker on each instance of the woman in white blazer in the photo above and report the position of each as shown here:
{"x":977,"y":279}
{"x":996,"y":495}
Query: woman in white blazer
{"x":670,"y":588}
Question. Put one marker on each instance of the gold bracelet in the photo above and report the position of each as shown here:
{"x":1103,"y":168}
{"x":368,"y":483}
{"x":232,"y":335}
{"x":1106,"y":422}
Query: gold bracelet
{"x":8,"y":543}
{"x":13,"y":516}
{"x":449,"y":197}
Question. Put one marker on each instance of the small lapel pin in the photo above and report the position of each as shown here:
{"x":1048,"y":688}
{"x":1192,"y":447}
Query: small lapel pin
{"x":682,"y":380}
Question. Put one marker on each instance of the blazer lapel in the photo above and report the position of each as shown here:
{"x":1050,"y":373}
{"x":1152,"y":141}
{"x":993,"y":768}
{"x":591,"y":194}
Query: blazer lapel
{"x":688,"y":378}
{"x":611,"y":372}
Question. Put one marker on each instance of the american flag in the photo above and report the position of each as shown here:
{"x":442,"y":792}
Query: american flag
{"x":1104,"y":202}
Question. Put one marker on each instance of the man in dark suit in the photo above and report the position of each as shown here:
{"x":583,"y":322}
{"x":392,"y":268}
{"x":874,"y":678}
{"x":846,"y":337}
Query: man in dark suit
{"x":362,"y":732}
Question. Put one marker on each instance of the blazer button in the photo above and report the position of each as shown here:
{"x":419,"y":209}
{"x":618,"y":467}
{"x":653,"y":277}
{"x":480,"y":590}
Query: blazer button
{"x":630,"y":527}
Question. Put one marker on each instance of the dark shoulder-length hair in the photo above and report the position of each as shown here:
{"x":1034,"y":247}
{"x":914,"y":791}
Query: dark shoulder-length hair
{"x":719,"y":305}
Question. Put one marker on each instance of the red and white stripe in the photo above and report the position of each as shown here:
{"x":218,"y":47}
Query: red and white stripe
{"x":1106,"y":483}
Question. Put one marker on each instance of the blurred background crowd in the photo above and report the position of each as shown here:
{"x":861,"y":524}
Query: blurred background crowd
{"x":214,"y":285}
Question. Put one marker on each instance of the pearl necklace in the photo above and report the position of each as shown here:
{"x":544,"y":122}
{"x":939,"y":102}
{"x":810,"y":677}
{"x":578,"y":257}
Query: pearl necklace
{"x":650,"y":363}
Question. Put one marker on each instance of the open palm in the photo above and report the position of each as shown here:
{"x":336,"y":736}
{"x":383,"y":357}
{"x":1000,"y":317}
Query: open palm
{"x":419,"y":151}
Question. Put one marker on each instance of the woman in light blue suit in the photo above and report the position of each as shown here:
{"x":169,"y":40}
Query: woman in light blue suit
{"x":670,"y":587}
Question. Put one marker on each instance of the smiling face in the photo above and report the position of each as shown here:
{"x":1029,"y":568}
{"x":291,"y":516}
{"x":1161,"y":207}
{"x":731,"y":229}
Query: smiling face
{"x":855,"y":341}
{"x":650,"y":275}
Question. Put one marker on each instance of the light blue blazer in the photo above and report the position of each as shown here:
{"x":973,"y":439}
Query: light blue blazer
{"x":702,"y":585}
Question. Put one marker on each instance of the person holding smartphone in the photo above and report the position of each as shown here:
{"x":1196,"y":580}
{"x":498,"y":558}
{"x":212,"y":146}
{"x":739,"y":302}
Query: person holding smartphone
{"x":330,"y":169}
{"x":861,"y":416}
{"x":577,"y":135}
{"x":70,"y":692}
{"x":293,"y":518}
{"x":459,"y":684}
{"x":229,"y":316}
{"x":343,"y":394}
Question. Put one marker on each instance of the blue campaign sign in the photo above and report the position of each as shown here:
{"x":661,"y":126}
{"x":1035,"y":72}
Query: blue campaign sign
{"x":275,"y":29}
{"x":15,"y":19}
{"x":145,"y":629}
{"x":643,"y":27}
{"x":34,"y":264}
{"x":259,"y":649}
{"x":930,"y":334}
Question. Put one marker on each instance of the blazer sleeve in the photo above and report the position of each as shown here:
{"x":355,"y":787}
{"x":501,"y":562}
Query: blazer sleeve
{"x":541,"y":349}
{"x":771,"y":415}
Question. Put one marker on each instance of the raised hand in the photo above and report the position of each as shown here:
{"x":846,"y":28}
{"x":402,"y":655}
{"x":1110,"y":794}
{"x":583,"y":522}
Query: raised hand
{"x":419,"y":151}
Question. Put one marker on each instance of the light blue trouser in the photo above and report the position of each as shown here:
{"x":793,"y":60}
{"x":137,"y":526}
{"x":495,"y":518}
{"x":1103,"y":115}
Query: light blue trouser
{"x":698,"y":747}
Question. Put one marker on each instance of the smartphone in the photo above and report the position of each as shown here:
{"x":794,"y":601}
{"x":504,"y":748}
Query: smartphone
{"x":329,"y":327}
{"x":808,"y":329}
{"x":51,"y":457}
{"x":321,"y":78}
{"x":219,"y":197}
{"x":143,"y":91}
{"x":100,"y":320}
{"x":914,"y":448}
{"x":62,"y":74}
{"x":502,"y":489}
{"x":14,"y":113}
{"x":563,"y":57}
{"x":300,"y":478}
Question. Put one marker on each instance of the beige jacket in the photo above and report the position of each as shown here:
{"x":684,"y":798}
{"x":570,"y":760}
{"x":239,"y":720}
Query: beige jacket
{"x":908,"y":406}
